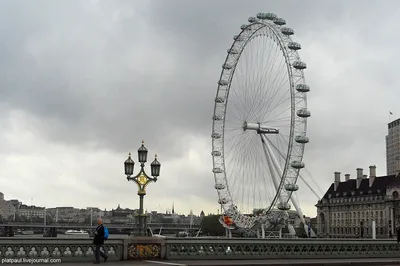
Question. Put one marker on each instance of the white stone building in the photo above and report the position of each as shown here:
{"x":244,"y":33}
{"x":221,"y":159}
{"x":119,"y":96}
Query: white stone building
{"x":349,"y":207}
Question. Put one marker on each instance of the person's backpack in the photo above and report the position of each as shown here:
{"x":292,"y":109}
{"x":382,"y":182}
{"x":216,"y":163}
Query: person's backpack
{"x":105,"y":233}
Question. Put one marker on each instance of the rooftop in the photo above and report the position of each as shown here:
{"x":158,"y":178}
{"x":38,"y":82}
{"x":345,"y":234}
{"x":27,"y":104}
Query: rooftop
{"x":349,"y":188}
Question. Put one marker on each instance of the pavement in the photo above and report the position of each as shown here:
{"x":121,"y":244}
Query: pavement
{"x":313,"y":262}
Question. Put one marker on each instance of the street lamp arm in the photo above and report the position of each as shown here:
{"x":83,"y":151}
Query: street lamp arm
{"x":142,"y":180}
{"x":143,"y":172}
{"x":139,"y":175}
{"x":148,"y":182}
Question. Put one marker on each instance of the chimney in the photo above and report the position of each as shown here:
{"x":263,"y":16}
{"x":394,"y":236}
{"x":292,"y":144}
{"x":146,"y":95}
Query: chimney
{"x":347,"y":177}
{"x":359,"y":177}
{"x":359,"y":173}
{"x":365,"y":176}
{"x":372,"y":175}
{"x":337,"y":180}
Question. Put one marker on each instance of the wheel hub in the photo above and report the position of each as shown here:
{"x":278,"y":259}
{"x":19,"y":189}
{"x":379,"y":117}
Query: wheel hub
{"x":260,"y":128}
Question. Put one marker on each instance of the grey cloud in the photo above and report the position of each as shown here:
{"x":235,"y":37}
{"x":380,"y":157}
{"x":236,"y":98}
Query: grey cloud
{"x":106,"y":75}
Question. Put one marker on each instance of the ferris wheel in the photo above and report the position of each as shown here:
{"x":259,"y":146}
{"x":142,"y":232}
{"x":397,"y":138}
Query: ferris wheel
{"x":259,"y":123}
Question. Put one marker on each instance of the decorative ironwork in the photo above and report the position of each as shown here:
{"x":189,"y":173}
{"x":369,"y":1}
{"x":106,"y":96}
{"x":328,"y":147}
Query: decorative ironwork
{"x":145,"y":251}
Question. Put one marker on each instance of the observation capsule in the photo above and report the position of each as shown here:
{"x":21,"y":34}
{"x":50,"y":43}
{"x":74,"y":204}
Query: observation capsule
{"x":219,"y":186}
{"x":216,"y":135}
{"x":287,"y":31}
{"x":279,"y":21}
{"x":269,"y":16}
{"x":302,"y":88}
{"x":252,"y":19}
{"x":299,"y":65}
{"x":301,"y":139}
{"x":294,"y":46}
{"x":216,"y":153}
{"x":217,"y":170}
{"x":303,"y":113}
{"x":283,"y":206}
{"x":297,"y":165}
{"x":291,"y":187}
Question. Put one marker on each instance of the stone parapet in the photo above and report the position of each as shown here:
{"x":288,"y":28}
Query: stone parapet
{"x":137,"y":248}
{"x":237,"y":249}
{"x":67,"y":250}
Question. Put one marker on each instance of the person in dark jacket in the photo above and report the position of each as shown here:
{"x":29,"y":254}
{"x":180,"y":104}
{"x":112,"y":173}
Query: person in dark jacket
{"x":98,"y":240}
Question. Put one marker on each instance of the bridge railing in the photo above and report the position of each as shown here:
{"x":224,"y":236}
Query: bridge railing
{"x":231,"y":248}
{"x":197,"y":248}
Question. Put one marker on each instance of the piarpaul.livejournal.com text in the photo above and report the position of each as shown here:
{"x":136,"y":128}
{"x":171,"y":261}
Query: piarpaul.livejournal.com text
{"x":29,"y":260}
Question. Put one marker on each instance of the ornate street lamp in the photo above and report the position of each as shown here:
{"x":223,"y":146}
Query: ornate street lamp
{"x":142,"y":180}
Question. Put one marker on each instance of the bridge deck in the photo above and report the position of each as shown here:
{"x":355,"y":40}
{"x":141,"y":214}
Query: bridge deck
{"x":314,"y":262}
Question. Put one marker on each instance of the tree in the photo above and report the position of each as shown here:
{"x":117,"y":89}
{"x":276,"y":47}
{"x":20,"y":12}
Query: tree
{"x":210,"y":225}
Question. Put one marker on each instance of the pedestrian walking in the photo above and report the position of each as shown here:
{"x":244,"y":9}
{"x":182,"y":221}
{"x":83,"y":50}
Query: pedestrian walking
{"x":98,"y":241}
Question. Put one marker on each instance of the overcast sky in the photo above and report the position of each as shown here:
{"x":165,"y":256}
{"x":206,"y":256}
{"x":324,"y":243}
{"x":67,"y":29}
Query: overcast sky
{"x":83,"y":82}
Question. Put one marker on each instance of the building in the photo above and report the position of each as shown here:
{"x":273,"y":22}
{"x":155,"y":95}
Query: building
{"x":31,"y":211}
{"x":393,"y":148}
{"x":350,"y":208}
{"x":120,"y":215}
{"x":7,"y":207}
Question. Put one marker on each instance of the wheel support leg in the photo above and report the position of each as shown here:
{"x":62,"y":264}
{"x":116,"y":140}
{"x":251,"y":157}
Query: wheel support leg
{"x":277,"y":167}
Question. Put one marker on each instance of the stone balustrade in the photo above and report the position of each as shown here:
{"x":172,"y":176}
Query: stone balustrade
{"x":215,"y":249}
{"x":69,"y":250}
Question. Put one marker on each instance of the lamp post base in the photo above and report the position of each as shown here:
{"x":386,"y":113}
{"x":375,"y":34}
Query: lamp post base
{"x":142,"y":228}
{"x":142,"y":217}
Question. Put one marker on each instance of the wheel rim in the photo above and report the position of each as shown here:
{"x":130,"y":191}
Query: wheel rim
{"x":239,"y":164}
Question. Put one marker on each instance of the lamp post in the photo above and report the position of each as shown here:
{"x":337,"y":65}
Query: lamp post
{"x":142,"y":180}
